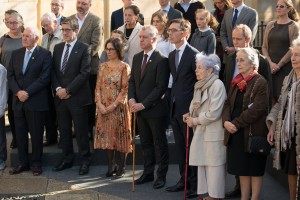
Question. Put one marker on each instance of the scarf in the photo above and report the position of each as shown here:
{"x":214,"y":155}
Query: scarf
{"x":288,"y":125}
{"x":199,"y":87}
{"x":241,"y":82}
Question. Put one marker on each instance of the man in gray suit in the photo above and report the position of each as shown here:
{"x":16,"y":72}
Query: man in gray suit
{"x":90,"y":32}
{"x":165,"y":6}
{"x":239,"y":14}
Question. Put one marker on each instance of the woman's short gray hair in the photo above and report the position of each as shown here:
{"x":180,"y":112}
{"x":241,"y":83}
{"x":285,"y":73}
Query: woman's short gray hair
{"x":209,"y":61}
{"x":252,"y":56}
{"x":296,"y":42}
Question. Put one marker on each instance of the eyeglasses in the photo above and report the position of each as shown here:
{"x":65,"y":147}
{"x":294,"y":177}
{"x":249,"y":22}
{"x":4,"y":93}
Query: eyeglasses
{"x":281,"y":6}
{"x":110,"y":49}
{"x":55,"y":5}
{"x":173,"y":30}
{"x":66,"y":30}
{"x":11,"y":23}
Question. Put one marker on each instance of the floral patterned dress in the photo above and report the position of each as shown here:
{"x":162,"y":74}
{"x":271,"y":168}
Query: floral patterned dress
{"x":113,"y":130}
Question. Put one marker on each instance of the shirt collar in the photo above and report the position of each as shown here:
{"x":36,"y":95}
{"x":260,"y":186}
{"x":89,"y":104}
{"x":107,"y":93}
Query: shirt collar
{"x":240,"y":8}
{"x":31,"y":50}
{"x":149,"y":53}
{"x":182,"y":47}
{"x":83,"y":17}
{"x":72,"y":43}
{"x":167,"y":8}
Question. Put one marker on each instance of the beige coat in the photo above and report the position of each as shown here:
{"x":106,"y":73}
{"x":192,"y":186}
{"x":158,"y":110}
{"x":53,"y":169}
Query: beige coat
{"x":133,"y":42}
{"x":276,"y":116}
{"x":207,"y":147}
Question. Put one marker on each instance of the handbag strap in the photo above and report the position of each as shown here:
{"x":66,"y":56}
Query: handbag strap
{"x":251,"y":95}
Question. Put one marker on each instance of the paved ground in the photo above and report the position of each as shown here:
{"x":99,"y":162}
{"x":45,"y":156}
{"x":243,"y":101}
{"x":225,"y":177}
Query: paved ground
{"x":68,"y":184}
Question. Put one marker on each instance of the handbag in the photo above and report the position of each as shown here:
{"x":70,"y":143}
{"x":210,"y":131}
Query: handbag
{"x":257,"y":144}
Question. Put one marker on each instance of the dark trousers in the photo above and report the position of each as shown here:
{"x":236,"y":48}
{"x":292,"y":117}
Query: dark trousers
{"x":153,"y":136}
{"x":50,"y":121}
{"x":32,"y":122}
{"x":11,"y":117}
{"x":66,"y":114}
{"x":179,"y":131}
{"x":3,"y":150}
{"x":92,"y":107}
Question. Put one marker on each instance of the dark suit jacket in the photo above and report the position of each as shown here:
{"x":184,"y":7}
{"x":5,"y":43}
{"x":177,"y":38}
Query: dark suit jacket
{"x":150,"y":89}
{"x":174,"y":14}
{"x":117,"y":19}
{"x":247,"y":16}
{"x":184,"y":78}
{"x":34,"y":81}
{"x":75,"y":77}
{"x":91,"y":33}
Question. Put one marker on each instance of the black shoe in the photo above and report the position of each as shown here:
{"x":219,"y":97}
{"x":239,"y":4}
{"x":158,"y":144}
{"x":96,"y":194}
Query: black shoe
{"x":191,"y":194}
{"x":84,"y":169}
{"x":144,"y":179}
{"x":62,"y":166}
{"x":159,"y":183}
{"x":235,"y":193}
{"x":13,"y":144}
{"x":19,"y":169}
{"x":49,"y":143}
{"x":121,"y":172}
{"x":111,"y":172}
{"x":176,"y":188}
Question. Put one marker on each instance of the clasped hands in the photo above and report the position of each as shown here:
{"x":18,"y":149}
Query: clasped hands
{"x":62,"y":93}
{"x":105,"y":110}
{"x":134,"y":106}
{"x":190,"y":121}
{"x":22,"y":95}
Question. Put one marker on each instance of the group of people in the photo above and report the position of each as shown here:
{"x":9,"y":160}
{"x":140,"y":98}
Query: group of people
{"x":191,"y":68}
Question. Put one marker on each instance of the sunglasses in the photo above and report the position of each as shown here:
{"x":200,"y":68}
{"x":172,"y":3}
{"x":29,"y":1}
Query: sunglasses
{"x":281,"y":6}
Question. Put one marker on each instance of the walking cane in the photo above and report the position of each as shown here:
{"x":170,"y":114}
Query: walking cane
{"x":186,"y":159}
{"x":133,"y":151}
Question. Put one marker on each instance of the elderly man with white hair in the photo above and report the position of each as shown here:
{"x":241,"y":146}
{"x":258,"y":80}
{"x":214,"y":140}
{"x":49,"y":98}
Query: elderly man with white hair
{"x":28,"y":79}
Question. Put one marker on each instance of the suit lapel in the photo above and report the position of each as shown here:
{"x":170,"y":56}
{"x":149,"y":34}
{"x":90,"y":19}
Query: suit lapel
{"x":85,"y":24}
{"x":59,"y":57}
{"x":139,"y":65}
{"x":32,"y":59}
{"x":231,"y":17}
{"x":72,"y":56}
{"x":182,"y":60}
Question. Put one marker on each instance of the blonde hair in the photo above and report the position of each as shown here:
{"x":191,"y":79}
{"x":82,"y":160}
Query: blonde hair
{"x":212,"y":22}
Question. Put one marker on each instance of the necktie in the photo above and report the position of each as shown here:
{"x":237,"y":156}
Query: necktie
{"x":26,"y":60}
{"x":144,"y":65}
{"x":65,"y":60}
{"x":235,"y":17}
{"x":49,"y":41}
{"x":177,"y":59}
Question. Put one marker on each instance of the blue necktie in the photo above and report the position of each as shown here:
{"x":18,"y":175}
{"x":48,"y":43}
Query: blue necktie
{"x":235,"y":17}
{"x":26,"y":60}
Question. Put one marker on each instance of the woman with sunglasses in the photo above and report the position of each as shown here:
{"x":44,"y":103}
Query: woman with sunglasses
{"x":278,"y":38}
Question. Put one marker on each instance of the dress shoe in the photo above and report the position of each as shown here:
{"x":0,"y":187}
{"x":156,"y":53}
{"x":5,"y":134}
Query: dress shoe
{"x":36,"y":170}
{"x":49,"y":143}
{"x":144,"y":179}
{"x":111,"y":171}
{"x":18,"y":169}
{"x":84,"y":169}
{"x":176,"y":188}
{"x":62,"y":166}
{"x":13,"y":144}
{"x":159,"y":183}
{"x":121,"y":172}
{"x":191,"y":194}
{"x":235,"y":193}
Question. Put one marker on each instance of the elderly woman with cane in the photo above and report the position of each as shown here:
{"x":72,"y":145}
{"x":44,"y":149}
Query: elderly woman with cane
{"x":207,"y":149}
{"x":284,"y":126}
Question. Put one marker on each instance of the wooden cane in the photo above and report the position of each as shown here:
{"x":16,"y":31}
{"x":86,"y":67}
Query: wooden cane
{"x":186,"y":159}
{"x":133,"y":150}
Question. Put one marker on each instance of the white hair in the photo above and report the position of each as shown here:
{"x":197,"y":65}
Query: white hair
{"x":151,"y":30}
{"x":252,"y":55}
{"x":49,"y":16}
{"x":35,"y":32}
{"x":209,"y":61}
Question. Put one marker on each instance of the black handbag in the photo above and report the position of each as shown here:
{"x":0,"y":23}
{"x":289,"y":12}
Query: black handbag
{"x":257,"y":144}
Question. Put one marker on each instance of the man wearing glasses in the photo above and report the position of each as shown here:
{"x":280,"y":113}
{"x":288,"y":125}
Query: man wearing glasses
{"x":71,"y":68}
{"x":182,"y":65}
{"x":57,"y":6}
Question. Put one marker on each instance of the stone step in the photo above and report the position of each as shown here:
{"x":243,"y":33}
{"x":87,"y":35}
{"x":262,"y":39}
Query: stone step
{"x":52,"y":154}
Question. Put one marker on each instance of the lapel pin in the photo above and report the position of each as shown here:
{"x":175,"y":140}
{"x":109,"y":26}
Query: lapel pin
{"x":32,"y":58}
{"x":150,"y":60}
{"x":75,"y":52}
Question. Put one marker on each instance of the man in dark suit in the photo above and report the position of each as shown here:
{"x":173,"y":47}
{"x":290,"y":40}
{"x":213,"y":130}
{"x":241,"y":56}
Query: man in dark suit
{"x":117,"y":16}
{"x":71,"y":61}
{"x":147,"y":85}
{"x":239,"y":14}
{"x":28,"y":79}
{"x":241,"y":37}
{"x":182,"y":65}
{"x":90,"y":32}
{"x":172,"y":13}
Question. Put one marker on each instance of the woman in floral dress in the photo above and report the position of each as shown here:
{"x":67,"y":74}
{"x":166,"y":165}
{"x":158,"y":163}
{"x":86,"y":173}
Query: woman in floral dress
{"x":113,"y":127}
